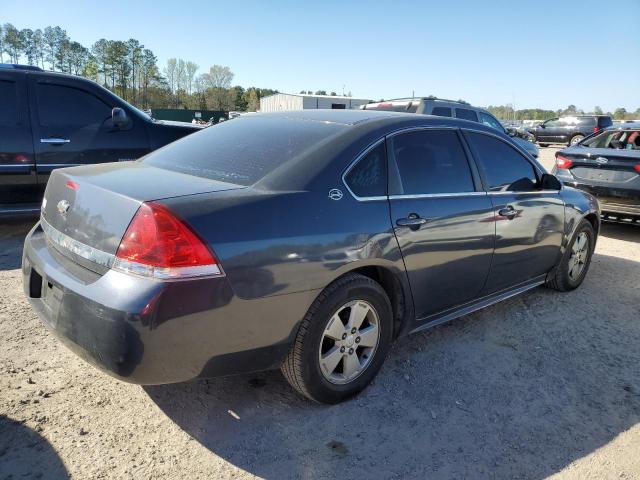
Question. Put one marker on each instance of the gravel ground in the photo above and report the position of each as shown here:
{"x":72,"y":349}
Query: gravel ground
{"x":544,"y":384}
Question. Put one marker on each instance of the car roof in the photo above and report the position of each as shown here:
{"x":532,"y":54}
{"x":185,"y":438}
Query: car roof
{"x":584,"y":116}
{"x":625,"y":126}
{"x":363,"y":118}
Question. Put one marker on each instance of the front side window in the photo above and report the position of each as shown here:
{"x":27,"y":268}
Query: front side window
{"x":505,"y":169}
{"x":554,"y":122}
{"x":466,"y":114}
{"x":441,"y":111}
{"x":60,"y":105}
{"x":489,"y":121}
{"x":430,"y":162}
{"x":368,"y":177}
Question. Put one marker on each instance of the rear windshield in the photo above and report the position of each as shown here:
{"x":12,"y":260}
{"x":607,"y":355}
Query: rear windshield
{"x":617,"y":139}
{"x":243,"y":150}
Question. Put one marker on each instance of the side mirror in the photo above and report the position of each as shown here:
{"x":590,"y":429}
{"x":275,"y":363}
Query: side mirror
{"x":119,"y":117}
{"x":542,"y":125}
{"x":550,"y":182}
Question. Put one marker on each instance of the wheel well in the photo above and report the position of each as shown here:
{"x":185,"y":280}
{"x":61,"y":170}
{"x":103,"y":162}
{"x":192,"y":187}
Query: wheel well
{"x":593,"y":220}
{"x":391,"y":285}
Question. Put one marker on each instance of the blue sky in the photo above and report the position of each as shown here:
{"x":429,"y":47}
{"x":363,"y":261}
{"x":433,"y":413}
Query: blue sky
{"x":542,"y":53}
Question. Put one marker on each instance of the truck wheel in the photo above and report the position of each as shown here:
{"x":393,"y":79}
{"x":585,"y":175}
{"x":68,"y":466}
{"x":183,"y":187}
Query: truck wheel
{"x":575,"y":139}
{"x":342,"y":340}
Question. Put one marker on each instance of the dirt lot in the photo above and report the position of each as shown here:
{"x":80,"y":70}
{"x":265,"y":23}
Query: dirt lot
{"x":543,"y":384}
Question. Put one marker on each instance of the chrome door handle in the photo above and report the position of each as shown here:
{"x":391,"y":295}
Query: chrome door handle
{"x":508,"y":212}
{"x":55,"y":141}
{"x":412,"y":221}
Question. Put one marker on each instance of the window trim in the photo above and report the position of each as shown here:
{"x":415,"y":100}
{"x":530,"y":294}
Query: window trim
{"x":352,"y":165}
{"x":478,"y":178}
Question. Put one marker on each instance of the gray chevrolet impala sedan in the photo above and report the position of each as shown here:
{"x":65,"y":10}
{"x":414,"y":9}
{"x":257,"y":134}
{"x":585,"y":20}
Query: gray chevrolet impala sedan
{"x":306,"y":241}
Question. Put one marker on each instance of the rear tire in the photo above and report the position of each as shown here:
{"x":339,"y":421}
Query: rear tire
{"x":543,"y":145}
{"x":336,"y":353}
{"x":575,"y":139}
{"x":575,"y":262}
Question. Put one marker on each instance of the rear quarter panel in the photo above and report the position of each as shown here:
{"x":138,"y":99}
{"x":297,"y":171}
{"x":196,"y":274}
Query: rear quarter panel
{"x":276,"y":243}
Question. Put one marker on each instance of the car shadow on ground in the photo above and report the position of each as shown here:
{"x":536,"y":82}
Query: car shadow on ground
{"x":520,"y":389}
{"x":26,"y":454}
{"x":12,"y":234}
{"x":619,"y":231}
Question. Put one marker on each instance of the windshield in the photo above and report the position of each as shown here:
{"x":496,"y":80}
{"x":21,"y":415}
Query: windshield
{"x":617,"y":139}
{"x":243,"y":151}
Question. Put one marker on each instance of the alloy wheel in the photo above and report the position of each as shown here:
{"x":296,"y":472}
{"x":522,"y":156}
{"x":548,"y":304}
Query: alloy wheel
{"x":579,"y":256}
{"x":349,"y":342}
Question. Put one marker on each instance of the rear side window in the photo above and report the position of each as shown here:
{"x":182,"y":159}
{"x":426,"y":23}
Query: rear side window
{"x":441,"y":111}
{"x":504,"y":168}
{"x":466,"y":114}
{"x":430,"y":162}
{"x":368,"y":177}
{"x":8,"y":103}
{"x":60,"y":105}
{"x":243,"y":151}
{"x":604,"y":122}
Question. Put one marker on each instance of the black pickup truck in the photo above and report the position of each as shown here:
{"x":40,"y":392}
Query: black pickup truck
{"x":51,"y":120}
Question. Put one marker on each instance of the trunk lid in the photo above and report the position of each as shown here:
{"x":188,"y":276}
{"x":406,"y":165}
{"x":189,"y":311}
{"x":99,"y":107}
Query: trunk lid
{"x":94,"y":204}
{"x":602,"y":165}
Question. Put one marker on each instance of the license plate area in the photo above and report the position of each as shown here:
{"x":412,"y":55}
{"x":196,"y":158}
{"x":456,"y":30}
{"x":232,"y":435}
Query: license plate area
{"x":51,"y":299}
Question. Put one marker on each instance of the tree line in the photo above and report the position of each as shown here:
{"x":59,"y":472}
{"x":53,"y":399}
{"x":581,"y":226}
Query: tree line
{"x":130,"y":70}
{"x":507,"y":112}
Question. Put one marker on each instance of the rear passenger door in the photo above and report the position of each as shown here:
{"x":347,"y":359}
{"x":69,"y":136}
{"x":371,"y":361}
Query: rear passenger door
{"x":17,"y":164}
{"x":529,"y":221}
{"x":441,"y":219}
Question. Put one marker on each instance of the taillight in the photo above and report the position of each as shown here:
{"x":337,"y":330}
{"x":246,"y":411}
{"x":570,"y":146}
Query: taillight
{"x":596,"y":129}
{"x":158,"y":244}
{"x":563,"y":162}
{"x":637,"y":168}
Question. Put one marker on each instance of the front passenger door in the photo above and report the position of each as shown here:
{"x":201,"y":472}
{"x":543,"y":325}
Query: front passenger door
{"x":529,"y":221}
{"x":72,"y":126}
{"x":441,"y":220}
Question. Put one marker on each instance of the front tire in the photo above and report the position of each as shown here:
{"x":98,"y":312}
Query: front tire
{"x":342,"y":340}
{"x":543,"y":145}
{"x":575,"y":262}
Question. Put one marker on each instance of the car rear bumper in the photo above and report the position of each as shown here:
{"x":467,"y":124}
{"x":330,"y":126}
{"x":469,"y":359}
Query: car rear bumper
{"x":616,"y":203}
{"x":147,"y":331}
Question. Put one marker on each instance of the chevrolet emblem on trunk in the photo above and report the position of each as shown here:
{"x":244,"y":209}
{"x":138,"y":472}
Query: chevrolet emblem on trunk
{"x":63,"y":206}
